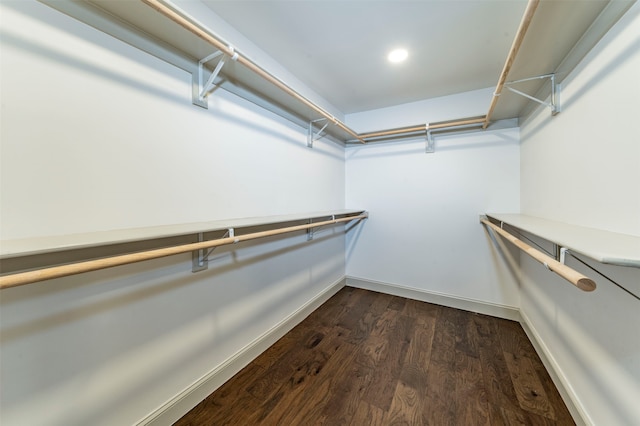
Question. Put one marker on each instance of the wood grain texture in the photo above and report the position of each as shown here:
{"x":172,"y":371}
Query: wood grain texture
{"x":365,"y":358}
{"x":368,"y":415}
{"x":579,"y":280}
{"x":397,"y":336}
{"x":511,"y":57}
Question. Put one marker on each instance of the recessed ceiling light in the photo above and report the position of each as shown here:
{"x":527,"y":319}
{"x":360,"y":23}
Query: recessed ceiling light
{"x":397,"y":55}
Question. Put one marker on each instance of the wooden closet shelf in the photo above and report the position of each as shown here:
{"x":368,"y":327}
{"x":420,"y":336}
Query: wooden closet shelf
{"x":48,"y":244}
{"x":603,"y":246}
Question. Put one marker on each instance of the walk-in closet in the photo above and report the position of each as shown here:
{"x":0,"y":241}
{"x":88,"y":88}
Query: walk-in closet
{"x":270,"y":212}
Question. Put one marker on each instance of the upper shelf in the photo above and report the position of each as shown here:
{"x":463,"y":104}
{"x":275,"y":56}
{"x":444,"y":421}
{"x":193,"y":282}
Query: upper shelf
{"x":603,"y":246}
{"x":41,"y":245}
{"x":142,"y":26}
{"x":559,"y":36}
{"x":561,"y":33}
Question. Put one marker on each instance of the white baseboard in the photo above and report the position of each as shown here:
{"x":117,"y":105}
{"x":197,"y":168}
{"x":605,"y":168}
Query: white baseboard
{"x":559,"y":379}
{"x":179,"y":405}
{"x":493,"y":309}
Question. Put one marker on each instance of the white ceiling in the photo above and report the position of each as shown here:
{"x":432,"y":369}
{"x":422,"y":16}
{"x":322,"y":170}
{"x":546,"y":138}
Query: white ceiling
{"x":338,"y":47}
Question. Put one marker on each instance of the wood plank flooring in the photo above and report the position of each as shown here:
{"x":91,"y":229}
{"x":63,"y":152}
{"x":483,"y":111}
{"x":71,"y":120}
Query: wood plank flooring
{"x":366,"y":358}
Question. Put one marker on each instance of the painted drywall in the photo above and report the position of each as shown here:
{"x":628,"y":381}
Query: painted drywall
{"x":583,"y":167}
{"x":424,"y":231}
{"x":97,"y":135}
{"x":249,"y":49}
{"x":116,"y":126}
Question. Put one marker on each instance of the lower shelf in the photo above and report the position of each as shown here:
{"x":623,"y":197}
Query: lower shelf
{"x":603,"y":246}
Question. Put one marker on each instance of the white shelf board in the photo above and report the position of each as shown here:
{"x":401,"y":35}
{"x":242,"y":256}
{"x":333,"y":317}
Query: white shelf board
{"x":48,"y":244}
{"x":603,"y":246}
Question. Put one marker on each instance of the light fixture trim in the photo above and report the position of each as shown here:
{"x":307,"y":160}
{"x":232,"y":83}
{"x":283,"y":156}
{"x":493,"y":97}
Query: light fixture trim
{"x":398,"y":55}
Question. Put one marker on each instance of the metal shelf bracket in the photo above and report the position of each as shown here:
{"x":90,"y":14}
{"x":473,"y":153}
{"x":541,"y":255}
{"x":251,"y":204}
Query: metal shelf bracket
{"x":438,"y":129}
{"x":310,"y":231}
{"x":554,"y":105}
{"x":311,"y":137}
{"x":200,"y":258}
{"x":201,"y":90}
{"x":431,"y":145}
{"x":562,"y":258}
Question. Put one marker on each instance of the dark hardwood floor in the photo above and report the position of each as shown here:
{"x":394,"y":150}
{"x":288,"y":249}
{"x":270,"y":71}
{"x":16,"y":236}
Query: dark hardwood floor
{"x":366,"y":358}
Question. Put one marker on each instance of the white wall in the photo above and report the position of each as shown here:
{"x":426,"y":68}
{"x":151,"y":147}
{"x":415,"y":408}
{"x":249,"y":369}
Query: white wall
{"x":250,"y":50}
{"x":424,"y":231}
{"x":96,"y":136}
{"x":583,"y":167}
{"x":87,"y":115}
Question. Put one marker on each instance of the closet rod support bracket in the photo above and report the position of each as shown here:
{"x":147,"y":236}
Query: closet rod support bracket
{"x":310,"y":231}
{"x":431,"y":145}
{"x":200,"y":89}
{"x":563,"y":255}
{"x":199,"y":258}
{"x":311,"y":136}
{"x":553,"y":104}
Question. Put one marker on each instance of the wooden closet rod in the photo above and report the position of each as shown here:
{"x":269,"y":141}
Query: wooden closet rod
{"x":422,"y":128}
{"x":517,"y":42}
{"x":515,"y":47}
{"x":190,"y":24}
{"x":29,"y":277}
{"x":394,"y":132}
{"x":462,"y":122}
{"x":196,"y":28}
{"x":571,"y":275}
